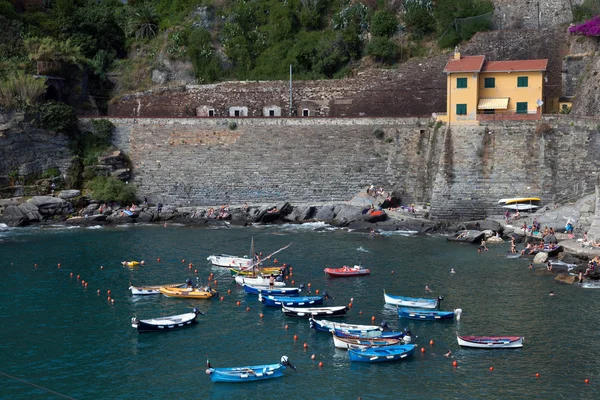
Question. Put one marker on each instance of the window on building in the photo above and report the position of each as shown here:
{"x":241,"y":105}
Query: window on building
{"x":489,"y":82}
{"x":236,"y":113}
{"x":211,"y":113}
{"x":271,"y":113}
{"x":522,"y":81}
{"x":306,"y":112}
{"x":461,"y":109}
{"x":522,"y":107}
{"x":492,"y":111}
{"x":461,"y":83}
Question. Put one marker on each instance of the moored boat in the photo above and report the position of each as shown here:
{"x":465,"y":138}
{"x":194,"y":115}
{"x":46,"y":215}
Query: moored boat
{"x":257,"y":281}
{"x":362,"y":343}
{"x":150,"y":290}
{"x":411,"y":301}
{"x":328,"y":326}
{"x":283,"y":291}
{"x":225,"y":260}
{"x":309,"y":312}
{"x":189,"y":293}
{"x":382,"y":354}
{"x":428,"y":315}
{"x":357,"y":270}
{"x":299,"y":301}
{"x":161,"y":324}
{"x":490,"y":342}
{"x":249,"y":373}
{"x":405,"y":335}
{"x":250,"y":272}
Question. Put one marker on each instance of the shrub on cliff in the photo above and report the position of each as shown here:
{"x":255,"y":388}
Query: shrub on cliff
{"x":586,"y":10}
{"x":459,"y":20}
{"x":20,"y":91}
{"x":58,"y":117}
{"x":109,"y":189}
{"x":382,"y":49}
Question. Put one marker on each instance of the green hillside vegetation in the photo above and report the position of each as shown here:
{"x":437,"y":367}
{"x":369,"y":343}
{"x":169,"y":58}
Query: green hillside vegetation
{"x":223,"y":39}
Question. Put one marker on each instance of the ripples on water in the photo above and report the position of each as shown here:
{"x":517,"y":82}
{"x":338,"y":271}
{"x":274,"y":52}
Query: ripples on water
{"x":59,"y":335}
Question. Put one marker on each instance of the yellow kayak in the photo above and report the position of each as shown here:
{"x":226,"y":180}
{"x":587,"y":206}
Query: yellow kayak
{"x":130,"y":263}
{"x":189,"y":293}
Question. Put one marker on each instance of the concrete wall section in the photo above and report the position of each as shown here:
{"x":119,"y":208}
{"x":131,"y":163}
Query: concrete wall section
{"x":205,"y":162}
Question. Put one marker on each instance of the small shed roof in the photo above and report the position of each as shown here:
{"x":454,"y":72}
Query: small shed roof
{"x":465,"y":64}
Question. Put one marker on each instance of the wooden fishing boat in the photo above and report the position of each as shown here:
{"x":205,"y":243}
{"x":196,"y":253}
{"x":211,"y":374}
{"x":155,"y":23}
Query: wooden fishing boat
{"x":427,"y":315}
{"x":309,"y":312}
{"x":328,"y":326}
{"x":299,"y":301}
{"x":382,"y":354}
{"x":284,"y":291}
{"x":347,"y":343}
{"x":189,"y":293}
{"x":249,"y":272}
{"x":256,"y":281}
{"x":490,"y":342}
{"x":357,"y":270}
{"x":411,"y":301}
{"x":150,"y":290}
{"x":405,"y":336}
{"x":249,"y":373}
{"x":162,"y":324}
{"x":226,"y":260}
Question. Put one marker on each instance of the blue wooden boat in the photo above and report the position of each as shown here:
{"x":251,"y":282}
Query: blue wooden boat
{"x":382,"y":354}
{"x":280,"y":291}
{"x":373,"y":334}
{"x":427,"y":315}
{"x":300,"y":301}
{"x":249,"y":373}
{"x":411,"y":301}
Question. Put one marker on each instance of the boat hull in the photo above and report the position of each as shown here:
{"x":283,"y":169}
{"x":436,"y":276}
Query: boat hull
{"x":151,"y":290}
{"x":382,"y":354}
{"x":370,"y":334}
{"x":184,"y":293}
{"x":347,"y":271}
{"x":224,"y":260}
{"x":425,"y":315}
{"x":241,"y":280}
{"x":362,"y":343}
{"x":308,"y":312}
{"x":410,"y":301}
{"x":490,"y":342}
{"x":328,"y":326}
{"x":300,"y":301}
{"x":284,"y":291}
{"x":246,"y":374}
{"x":164,"y":324}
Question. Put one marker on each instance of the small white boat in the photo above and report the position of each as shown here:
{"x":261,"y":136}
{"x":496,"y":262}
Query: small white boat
{"x":411,"y":301}
{"x":520,"y":207}
{"x":513,"y":200}
{"x":258,"y":281}
{"x":490,"y":342}
{"x":362,"y":343}
{"x":150,"y":290}
{"x":225,"y":260}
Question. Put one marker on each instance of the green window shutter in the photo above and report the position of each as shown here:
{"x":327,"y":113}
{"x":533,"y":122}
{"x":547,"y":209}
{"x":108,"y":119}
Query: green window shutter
{"x":461,"y":83}
{"x":522,"y":108}
{"x":489,"y":82}
{"x":522,"y":81}
{"x":461,"y":109}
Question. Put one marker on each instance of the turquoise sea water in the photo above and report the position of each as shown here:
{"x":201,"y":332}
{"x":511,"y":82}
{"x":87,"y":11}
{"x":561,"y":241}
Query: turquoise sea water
{"x":61,"y":336}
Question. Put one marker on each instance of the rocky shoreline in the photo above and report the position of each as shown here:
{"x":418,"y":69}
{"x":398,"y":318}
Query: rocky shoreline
{"x":71,"y":209}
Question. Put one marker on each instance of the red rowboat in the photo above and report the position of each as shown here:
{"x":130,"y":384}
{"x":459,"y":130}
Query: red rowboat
{"x":357,"y":270}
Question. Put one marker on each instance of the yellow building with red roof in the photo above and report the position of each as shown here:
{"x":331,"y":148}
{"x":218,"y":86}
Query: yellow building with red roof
{"x":482,"y":90}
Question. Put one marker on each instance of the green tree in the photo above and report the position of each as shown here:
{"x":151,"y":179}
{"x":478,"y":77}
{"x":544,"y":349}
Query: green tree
{"x":58,"y":117}
{"x":203,"y":56}
{"x":451,"y":15}
{"x":109,"y":189}
{"x":20,"y":90}
{"x":384,"y":23}
{"x":418,"y":18}
{"x":142,"y":21}
{"x":382,"y":49}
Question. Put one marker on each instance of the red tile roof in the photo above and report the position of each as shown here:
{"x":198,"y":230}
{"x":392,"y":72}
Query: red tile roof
{"x":465,"y":64}
{"x":516,"y":65}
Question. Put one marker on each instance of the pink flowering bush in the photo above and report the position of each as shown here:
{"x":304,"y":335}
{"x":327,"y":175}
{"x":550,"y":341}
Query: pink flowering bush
{"x":588,"y":28}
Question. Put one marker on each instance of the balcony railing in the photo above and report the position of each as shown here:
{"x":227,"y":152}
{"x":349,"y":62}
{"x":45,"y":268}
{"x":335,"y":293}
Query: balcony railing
{"x":509,"y":115}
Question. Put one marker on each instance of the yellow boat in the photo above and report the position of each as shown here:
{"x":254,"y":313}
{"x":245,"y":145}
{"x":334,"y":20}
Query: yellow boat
{"x":518,"y":200}
{"x":264,"y":271}
{"x":189,"y":293}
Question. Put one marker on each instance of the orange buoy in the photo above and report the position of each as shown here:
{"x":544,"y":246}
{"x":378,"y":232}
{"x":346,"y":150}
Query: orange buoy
{"x":320,"y":364}
{"x":317,"y":291}
{"x":261,"y":315}
{"x":196,"y":271}
{"x":491,"y":368}
{"x":247,"y":308}
{"x":216,"y":282}
{"x":291,"y":274}
{"x":58,"y":265}
{"x":228,"y":291}
{"x":285,"y":327}
{"x":306,"y":345}
{"x":295,"y":337}
{"x":422,"y":349}
{"x":190,"y":266}
{"x":586,"y":381}
{"x":308,"y":282}
{"x":108,"y":298}
{"x":291,"y":268}
{"x":313,"y":357}
{"x":287,"y":277}
{"x":78,"y":276}
{"x":35,"y":265}
{"x":182,"y":261}
{"x":238,"y":303}
{"x":360,"y":313}
{"x":454,"y":363}
{"x":431,"y":342}
{"x":98,"y":292}
{"x":293,"y":282}
{"x":86,"y":284}
{"x":349,"y":305}
{"x":108,"y":292}
{"x":158,"y":259}
{"x":373,"y":318}
{"x":537,"y":375}
{"x":392,"y":272}
{"x":222,"y":298}
{"x":71,"y":274}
